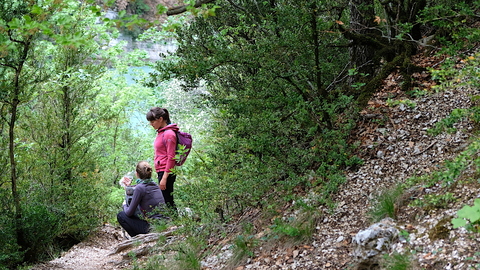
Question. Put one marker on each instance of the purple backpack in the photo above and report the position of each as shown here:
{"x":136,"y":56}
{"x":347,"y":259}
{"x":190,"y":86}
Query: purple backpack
{"x":184,"y":145}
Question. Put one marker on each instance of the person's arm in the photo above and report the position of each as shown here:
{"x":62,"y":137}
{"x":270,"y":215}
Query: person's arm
{"x":171,"y":145}
{"x":137,"y":197}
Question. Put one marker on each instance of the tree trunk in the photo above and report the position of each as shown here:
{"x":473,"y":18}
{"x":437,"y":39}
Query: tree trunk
{"x":13,"y":175}
{"x":362,"y":56}
{"x":15,"y":102}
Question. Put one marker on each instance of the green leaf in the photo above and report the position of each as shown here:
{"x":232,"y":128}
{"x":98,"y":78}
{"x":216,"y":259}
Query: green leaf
{"x":161,"y":9}
{"x":476,"y":203}
{"x":37,"y":10}
{"x":458,"y":222}
{"x":475,"y":216}
{"x":469,"y":212}
{"x":14,"y":24}
{"x":464,"y":212}
{"x":95,"y":9}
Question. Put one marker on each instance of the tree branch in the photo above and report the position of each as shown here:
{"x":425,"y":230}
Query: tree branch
{"x":182,"y":9}
{"x":143,"y":239}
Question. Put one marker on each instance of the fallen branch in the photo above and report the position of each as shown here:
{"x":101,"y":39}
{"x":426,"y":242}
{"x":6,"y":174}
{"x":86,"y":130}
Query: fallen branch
{"x":136,"y":253}
{"x":423,"y":151}
{"x":141,"y":239}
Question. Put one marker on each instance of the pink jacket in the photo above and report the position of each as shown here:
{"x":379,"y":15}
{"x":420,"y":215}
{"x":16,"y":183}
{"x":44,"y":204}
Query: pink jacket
{"x":165,"y":145}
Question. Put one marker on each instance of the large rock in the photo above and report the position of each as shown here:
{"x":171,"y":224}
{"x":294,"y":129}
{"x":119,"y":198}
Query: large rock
{"x":371,"y":243}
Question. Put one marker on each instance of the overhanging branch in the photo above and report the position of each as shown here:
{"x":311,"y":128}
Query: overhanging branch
{"x":182,"y":9}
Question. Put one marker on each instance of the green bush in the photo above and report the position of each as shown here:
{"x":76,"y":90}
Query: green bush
{"x":41,"y":225}
{"x":10,"y":253}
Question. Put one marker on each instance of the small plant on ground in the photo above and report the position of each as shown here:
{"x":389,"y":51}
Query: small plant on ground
{"x":282,"y":227}
{"x":397,"y":261}
{"x":188,"y":254}
{"x":407,"y":102}
{"x":405,"y":235}
{"x":296,"y":229}
{"x":447,"y":124}
{"x":154,"y":262}
{"x":434,"y":201}
{"x":475,"y":257}
{"x":451,"y":170}
{"x":416,"y":92}
{"x":386,"y":204}
{"x":243,"y":245}
{"x":468,"y":217}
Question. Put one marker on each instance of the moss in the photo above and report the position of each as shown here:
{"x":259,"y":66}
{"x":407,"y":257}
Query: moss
{"x":440,"y":231}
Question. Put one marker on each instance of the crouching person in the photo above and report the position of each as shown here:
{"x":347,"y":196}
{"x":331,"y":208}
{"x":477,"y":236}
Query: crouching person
{"x":147,"y":203}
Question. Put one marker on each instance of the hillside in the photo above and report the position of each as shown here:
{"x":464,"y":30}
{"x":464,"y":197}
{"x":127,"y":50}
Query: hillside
{"x":394,"y":144}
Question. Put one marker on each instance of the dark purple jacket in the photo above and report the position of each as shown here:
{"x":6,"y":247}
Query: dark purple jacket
{"x":149,"y":197}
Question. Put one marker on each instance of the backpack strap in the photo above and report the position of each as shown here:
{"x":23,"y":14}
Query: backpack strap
{"x":176,"y":136}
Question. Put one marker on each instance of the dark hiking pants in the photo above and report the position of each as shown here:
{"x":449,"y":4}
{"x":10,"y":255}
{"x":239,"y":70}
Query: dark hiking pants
{"x":133,"y":225}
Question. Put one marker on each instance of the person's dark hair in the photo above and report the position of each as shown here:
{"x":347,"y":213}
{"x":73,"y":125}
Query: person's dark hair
{"x":157,"y":112}
{"x":144,"y":170}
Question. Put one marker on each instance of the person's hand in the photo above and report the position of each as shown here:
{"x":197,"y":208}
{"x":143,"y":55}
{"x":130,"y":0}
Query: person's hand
{"x":127,"y":180}
{"x":163,"y":184}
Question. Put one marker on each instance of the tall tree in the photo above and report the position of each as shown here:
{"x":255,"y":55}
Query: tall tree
{"x":382,"y":41}
{"x":19,"y":32}
{"x":48,"y":68}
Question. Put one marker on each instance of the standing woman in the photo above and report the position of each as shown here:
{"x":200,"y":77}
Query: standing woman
{"x":165,"y":147}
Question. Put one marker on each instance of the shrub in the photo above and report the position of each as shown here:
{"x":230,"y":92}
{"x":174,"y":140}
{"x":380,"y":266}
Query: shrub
{"x":188,"y":254}
{"x":386,"y":204}
{"x":10,"y":253}
{"x":41,"y":226}
{"x":396,"y":261}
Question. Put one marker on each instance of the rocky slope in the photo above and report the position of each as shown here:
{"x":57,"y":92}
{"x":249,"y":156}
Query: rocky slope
{"x":395,"y":146}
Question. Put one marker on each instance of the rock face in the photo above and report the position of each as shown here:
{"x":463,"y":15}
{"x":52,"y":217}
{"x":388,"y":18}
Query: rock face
{"x":154,"y":50}
{"x":374,"y":241}
{"x":146,"y":9}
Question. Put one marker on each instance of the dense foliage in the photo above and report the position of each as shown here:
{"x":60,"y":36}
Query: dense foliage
{"x":268,"y":69}
{"x":286,"y":79}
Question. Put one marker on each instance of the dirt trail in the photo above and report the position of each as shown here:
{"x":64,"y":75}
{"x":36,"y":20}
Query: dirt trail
{"x":91,"y":254}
